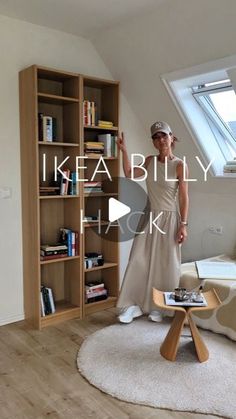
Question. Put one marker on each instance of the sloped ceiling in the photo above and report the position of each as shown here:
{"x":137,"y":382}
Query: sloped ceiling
{"x":79,"y":17}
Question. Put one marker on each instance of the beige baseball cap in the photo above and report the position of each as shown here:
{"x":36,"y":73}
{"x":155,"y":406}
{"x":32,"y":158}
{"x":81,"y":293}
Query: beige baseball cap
{"x":160,"y":126}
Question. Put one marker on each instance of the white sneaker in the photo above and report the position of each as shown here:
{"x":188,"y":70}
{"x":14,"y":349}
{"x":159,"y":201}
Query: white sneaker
{"x":129,"y":314}
{"x":155,"y":316}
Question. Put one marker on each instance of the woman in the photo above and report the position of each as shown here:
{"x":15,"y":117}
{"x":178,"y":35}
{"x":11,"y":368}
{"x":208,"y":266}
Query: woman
{"x":155,"y":259}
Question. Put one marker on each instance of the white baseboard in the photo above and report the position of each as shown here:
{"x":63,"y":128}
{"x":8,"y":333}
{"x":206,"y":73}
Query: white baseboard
{"x":11,"y":319}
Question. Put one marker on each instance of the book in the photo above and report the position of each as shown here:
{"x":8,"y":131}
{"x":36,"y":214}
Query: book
{"x":96,"y":293}
{"x":47,"y":301}
{"x":170,"y":301}
{"x":54,"y":247}
{"x":93,"y":111}
{"x":90,"y":218}
{"x":49,"y":190}
{"x":47,"y":128}
{"x":93,"y":183}
{"x":215,"y":270}
{"x":230,"y":168}
{"x":64,"y":182}
{"x":51,"y":300}
{"x":54,"y":128}
{"x":92,"y":293}
{"x":114,"y":145}
{"x":52,"y":252}
{"x":72,"y":243}
{"x":87,"y":112}
{"x":88,"y":190}
{"x":51,"y":257}
{"x":94,"y":285}
{"x":74,"y":185}
{"x":42,"y":304}
{"x":40,"y":126}
{"x":96,"y":299}
{"x":92,"y":260}
{"x":106,"y":140}
{"x":105,"y":123}
{"x":66,"y":238}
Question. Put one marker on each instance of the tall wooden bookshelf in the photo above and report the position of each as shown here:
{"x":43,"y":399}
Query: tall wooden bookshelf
{"x":61,"y":95}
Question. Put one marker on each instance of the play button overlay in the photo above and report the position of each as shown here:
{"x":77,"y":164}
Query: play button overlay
{"x":117,"y":209}
{"x":121,"y":210}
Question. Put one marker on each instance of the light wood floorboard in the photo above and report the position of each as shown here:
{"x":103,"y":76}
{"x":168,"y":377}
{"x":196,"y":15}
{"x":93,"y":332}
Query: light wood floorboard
{"x":39,"y":377}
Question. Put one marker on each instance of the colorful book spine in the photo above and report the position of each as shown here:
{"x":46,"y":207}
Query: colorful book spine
{"x":47,"y":128}
{"x":89,"y":113}
{"x":65,"y":182}
{"x":69,"y":243}
{"x":72,"y":243}
{"x":47,"y":301}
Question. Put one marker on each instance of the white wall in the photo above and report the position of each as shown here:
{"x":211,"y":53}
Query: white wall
{"x":23,"y":44}
{"x":178,"y":34}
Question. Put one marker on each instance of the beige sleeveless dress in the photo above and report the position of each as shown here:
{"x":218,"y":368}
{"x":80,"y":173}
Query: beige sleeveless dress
{"x":155,"y":258}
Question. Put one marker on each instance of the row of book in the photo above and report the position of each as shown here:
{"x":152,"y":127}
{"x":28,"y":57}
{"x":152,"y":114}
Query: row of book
{"x":89,"y":113}
{"x":94,"y":186}
{"x":94,"y":148}
{"x":47,"y":127}
{"x":47,"y":301}
{"x":89,"y":187}
{"x":93,"y":259}
{"x":68,"y":245}
{"x":95,"y":291}
{"x":106,"y":145}
{"x":105,"y":124}
{"x":90,"y":116}
{"x":68,"y":185}
{"x":230,"y":166}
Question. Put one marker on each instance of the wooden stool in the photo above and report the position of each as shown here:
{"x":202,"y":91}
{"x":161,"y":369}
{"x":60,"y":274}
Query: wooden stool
{"x":170,"y":345}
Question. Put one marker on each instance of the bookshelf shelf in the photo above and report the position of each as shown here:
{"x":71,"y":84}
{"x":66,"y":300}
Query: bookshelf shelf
{"x":59,"y":196}
{"x":106,"y":265}
{"x":98,"y":157}
{"x":99,"y":194}
{"x":58,"y":260}
{"x":57,"y":143}
{"x":102,"y":223}
{"x":100,"y":305}
{"x":52,"y":102}
{"x":48,"y":98}
{"x":64,"y":311}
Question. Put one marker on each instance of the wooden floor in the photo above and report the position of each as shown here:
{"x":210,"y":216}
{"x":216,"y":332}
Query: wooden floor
{"x":39,"y":377}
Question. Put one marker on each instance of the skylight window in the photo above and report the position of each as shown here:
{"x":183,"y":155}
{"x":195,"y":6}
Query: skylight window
{"x":205,"y":98}
{"x":218,"y":102}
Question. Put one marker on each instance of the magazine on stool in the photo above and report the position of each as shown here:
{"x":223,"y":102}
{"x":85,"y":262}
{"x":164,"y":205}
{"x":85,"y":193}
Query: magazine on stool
{"x":187,"y":302}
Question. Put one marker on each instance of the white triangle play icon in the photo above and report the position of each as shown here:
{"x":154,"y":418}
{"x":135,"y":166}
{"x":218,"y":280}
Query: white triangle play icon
{"x":117,"y":209}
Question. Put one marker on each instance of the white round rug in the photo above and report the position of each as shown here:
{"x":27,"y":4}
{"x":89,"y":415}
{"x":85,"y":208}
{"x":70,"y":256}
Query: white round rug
{"x":125,"y":362}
